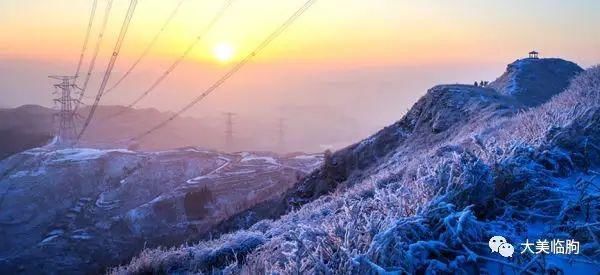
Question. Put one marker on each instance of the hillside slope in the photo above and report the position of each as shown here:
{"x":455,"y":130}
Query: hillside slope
{"x":443,"y":114}
{"x":80,"y":210}
{"x":534,"y":81}
{"x":425,"y":194}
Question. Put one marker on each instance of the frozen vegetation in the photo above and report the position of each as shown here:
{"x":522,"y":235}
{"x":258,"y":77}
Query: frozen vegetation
{"x":425,"y":194}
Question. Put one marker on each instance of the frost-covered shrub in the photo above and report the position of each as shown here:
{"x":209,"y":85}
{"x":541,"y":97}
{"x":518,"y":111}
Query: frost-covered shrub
{"x":532,"y":125}
{"x":212,"y":255}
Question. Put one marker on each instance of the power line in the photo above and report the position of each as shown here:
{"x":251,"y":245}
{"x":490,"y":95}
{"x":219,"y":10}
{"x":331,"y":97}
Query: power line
{"x":174,"y":65}
{"x":148,"y":48}
{"x":111,"y":64}
{"x":87,"y":37}
{"x":234,"y":70}
{"x":95,"y":55}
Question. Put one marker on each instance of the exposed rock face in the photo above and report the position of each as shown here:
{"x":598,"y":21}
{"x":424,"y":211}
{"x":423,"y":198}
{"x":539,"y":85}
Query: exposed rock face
{"x":82,"y":210}
{"x":533,"y":81}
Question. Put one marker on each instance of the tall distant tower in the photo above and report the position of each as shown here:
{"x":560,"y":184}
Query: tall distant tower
{"x":281,"y":143}
{"x":229,"y":130}
{"x":66,"y":131}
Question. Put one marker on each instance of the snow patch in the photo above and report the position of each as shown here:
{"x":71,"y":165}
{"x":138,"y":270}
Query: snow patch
{"x":251,"y":157}
{"x":82,"y":154}
{"x":240,"y":172}
{"x":195,"y":180}
{"x":19,"y":174}
{"x":35,"y":152}
{"x":49,"y":239}
{"x":308,"y":157}
{"x":82,"y":236}
{"x":198,"y":150}
{"x":33,"y":173}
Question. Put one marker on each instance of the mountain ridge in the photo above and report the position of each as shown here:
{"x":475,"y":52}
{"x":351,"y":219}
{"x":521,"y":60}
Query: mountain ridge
{"x":534,"y":81}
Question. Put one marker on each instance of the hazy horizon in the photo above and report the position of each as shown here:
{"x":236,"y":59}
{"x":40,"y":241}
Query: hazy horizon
{"x":353,"y":62}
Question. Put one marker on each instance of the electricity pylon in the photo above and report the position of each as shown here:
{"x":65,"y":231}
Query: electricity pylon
{"x":66,"y":131}
{"x":229,"y":130}
{"x":281,"y":139}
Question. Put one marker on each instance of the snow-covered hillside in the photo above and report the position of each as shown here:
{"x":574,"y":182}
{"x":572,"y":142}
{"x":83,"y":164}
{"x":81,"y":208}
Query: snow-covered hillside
{"x":425,"y":194}
{"x":422,"y":195}
{"x":535,"y":80}
{"x":81,"y":210}
{"x":445,"y":113}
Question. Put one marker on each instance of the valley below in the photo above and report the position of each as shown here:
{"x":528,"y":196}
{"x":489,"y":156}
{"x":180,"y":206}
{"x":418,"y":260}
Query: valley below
{"x":81,"y":210}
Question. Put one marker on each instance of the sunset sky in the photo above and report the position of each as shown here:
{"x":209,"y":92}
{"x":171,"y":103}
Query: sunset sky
{"x":379,"y":54}
{"x":349,"y":31}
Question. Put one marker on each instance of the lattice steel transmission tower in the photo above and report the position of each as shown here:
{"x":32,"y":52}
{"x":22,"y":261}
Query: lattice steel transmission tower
{"x":281,"y":139}
{"x":229,"y":130}
{"x":66,"y":131}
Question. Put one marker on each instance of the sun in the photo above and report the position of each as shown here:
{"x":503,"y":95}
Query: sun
{"x":223,"y":52}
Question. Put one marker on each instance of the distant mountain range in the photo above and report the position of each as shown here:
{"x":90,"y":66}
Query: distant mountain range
{"x":23,"y":128}
{"x":31,"y":126}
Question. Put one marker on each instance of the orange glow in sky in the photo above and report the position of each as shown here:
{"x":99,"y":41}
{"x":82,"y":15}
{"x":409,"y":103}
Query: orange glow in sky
{"x":366,"y":60}
{"x":379,"y":31}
